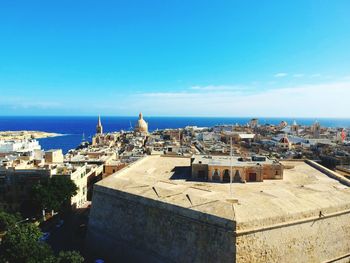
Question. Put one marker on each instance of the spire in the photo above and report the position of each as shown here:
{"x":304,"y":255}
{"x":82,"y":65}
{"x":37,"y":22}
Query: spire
{"x":99,"y":128}
{"x":140,"y":115}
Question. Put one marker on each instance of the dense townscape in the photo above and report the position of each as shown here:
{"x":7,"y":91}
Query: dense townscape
{"x":254,"y":150}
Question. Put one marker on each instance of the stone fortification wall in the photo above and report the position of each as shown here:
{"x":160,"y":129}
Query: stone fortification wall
{"x":136,"y":229}
{"x":315,"y":236}
{"x":324,"y":238}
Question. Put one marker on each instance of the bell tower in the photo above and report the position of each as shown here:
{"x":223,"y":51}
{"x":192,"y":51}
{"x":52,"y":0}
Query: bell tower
{"x":316,"y":129}
{"x":99,"y":128}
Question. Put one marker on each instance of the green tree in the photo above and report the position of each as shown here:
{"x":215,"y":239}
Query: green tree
{"x":54,"y":193}
{"x":8,"y":220}
{"x":21,"y":244}
{"x":69,"y":257}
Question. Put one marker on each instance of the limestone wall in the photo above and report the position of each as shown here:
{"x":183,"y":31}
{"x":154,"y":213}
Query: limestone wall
{"x":321,"y":239}
{"x":133,"y":228}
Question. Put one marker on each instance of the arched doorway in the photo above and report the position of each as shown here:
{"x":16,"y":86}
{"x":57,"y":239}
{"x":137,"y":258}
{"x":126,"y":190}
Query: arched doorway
{"x":216,"y":175}
{"x":226,"y":176}
{"x":237,"y":178}
{"x":252,"y":177}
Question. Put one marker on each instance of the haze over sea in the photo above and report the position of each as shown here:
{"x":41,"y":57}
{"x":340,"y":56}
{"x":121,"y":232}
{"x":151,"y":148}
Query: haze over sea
{"x":73,"y":128}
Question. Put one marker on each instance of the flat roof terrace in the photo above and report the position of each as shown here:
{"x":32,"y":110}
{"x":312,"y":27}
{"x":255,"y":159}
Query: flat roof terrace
{"x":302,"y":194}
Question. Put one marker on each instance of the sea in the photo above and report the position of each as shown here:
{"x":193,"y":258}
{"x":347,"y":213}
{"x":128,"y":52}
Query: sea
{"x":76,"y":128}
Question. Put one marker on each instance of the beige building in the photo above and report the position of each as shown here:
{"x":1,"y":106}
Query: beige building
{"x":112,"y":167}
{"x":294,"y":128}
{"x":218,"y":168}
{"x":78,"y":174}
{"x":104,"y":139}
{"x":54,"y":156}
{"x":253,"y":123}
{"x":284,"y":143}
{"x":316,"y":130}
{"x":283,"y":124}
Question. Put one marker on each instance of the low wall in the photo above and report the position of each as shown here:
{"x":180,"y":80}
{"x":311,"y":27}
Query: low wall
{"x":329,"y":172}
{"x":345,"y":170}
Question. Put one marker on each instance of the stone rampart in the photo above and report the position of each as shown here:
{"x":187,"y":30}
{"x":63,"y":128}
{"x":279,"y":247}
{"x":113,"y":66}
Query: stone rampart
{"x":137,"y":229}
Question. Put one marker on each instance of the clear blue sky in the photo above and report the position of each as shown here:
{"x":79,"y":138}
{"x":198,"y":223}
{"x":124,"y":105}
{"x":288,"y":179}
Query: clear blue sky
{"x":197,"y":58}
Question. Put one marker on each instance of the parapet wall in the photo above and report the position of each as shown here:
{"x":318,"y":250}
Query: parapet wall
{"x":136,"y":229}
{"x":329,"y":172}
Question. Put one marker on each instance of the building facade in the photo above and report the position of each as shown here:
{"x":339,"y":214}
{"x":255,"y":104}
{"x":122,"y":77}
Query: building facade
{"x":16,"y":184}
{"x":218,"y":169}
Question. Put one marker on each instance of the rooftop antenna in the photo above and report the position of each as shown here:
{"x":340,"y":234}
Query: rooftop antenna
{"x":130,"y":126}
{"x":231,"y":166}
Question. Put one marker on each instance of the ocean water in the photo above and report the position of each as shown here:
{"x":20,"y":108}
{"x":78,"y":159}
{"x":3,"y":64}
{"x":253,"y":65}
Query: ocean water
{"x":73,"y":128}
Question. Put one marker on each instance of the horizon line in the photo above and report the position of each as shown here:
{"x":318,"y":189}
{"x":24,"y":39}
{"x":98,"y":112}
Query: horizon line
{"x":179,"y":116}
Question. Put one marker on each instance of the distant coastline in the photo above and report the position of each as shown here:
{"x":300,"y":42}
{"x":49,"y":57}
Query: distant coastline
{"x":75,"y":128}
{"x":25,"y":134}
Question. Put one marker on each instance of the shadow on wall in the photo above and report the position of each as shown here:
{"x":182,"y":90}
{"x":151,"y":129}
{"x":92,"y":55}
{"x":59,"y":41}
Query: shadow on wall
{"x":181,"y":173}
{"x":140,"y":229}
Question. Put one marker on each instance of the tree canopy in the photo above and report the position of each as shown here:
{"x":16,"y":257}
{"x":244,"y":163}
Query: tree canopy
{"x":53,"y":193}
{"x":21,"y":243}
{"x":69,"y":257}
{"x":8,"y":220}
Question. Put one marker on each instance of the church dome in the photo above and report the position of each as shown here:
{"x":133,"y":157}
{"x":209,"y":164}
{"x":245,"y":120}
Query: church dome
{"x":141,"y":125}
{"x":283,"y":124}
{"x":284,"y":140}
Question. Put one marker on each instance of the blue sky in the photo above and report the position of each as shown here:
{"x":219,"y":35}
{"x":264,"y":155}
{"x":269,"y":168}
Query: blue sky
{"x":175,"y":58}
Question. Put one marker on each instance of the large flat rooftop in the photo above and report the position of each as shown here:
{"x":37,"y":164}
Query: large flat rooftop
{"x":303,"y":192}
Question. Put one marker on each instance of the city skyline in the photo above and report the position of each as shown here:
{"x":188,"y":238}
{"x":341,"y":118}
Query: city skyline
{"x":175,"y":59}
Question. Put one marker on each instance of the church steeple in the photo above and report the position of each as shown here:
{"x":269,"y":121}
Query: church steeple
{"x":99,"y":128}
